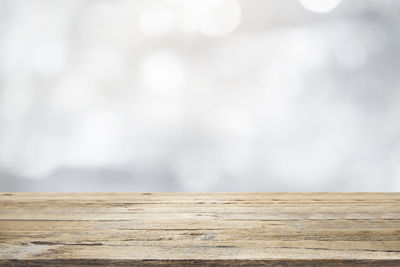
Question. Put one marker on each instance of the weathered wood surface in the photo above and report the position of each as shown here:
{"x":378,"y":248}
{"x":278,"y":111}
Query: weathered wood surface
{"x":258,"y":229}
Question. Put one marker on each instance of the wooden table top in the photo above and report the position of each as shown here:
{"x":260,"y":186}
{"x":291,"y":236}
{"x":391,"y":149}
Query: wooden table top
{"x":135,"y":229}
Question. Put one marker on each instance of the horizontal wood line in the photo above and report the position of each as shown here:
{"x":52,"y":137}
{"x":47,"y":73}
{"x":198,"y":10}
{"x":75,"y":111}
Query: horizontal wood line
{"x":203,"y":262}
{"x":39,"y":243}
{"x":312,"y":202}
{"x":182,"y":220}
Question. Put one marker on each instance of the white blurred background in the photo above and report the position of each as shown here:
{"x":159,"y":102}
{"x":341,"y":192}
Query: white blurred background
{"x":200,"y":95}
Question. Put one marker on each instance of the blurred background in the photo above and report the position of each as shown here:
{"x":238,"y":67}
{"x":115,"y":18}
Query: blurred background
{"x":196,"y":96}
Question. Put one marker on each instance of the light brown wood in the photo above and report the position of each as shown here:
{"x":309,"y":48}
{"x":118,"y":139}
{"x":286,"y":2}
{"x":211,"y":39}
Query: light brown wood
{"x":258,"y":229}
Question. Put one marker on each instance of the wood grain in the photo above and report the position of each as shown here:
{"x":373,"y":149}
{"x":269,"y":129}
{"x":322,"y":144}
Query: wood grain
{"x":229,"y":229}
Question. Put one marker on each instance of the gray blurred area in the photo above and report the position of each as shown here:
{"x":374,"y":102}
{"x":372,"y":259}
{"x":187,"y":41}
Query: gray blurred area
{"x":200,"y":96}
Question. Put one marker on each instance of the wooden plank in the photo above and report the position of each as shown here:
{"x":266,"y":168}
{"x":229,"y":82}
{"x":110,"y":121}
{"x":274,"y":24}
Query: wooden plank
{"x":258,"y":229}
